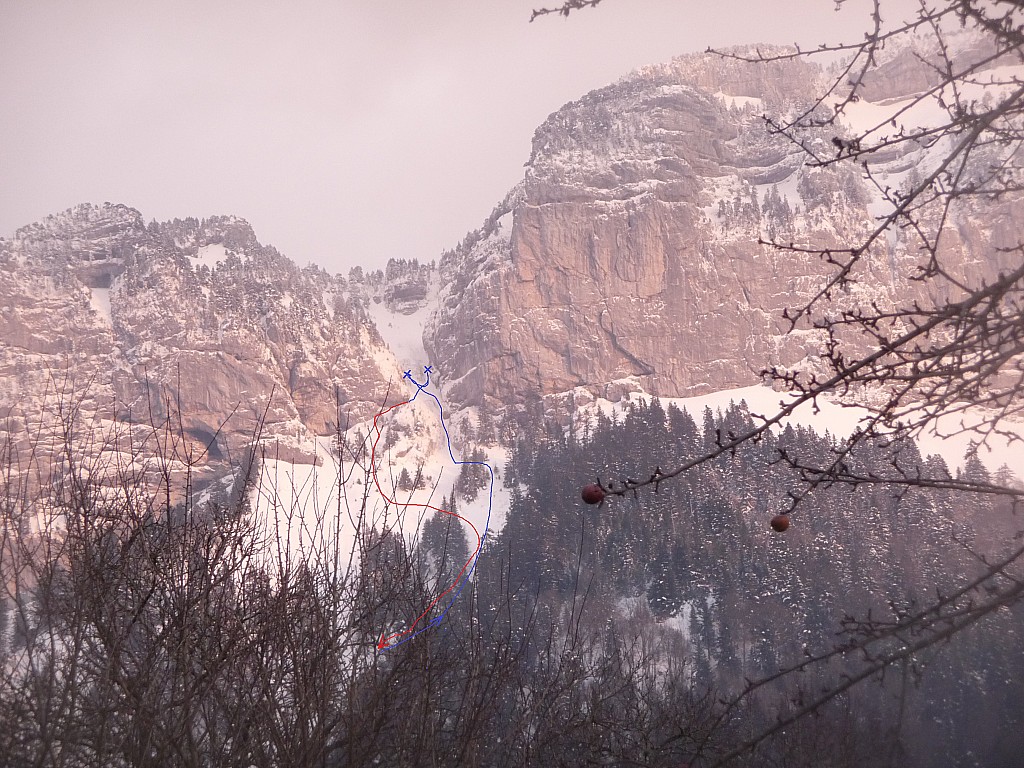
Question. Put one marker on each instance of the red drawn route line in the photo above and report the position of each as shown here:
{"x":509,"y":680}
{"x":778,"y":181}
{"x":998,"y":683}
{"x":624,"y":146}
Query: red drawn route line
{"x":394,"y":638}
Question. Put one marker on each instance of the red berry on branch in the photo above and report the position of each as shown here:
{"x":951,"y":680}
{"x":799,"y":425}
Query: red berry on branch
{"x":592,"y":494}
{"x":780,"y":523}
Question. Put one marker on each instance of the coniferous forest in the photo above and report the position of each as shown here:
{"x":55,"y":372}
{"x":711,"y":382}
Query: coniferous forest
{"x":673,"y":627}
{"x":699,"y":555}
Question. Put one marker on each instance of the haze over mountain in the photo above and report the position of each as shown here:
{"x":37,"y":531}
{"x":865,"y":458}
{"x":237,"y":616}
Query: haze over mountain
{"x":626,"y":260}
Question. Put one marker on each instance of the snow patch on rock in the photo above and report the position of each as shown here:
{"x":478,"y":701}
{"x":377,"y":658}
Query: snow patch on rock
{"x":99,"y":300}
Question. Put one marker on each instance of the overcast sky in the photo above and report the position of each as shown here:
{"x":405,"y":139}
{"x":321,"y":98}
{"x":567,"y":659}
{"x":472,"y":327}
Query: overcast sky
{"x":346,"y":132}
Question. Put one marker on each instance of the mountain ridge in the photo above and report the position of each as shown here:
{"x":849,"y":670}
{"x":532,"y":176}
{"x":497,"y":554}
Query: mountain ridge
{"x":627,"y":259}
{"x":635,"y":248}
{"x":194,"y":317}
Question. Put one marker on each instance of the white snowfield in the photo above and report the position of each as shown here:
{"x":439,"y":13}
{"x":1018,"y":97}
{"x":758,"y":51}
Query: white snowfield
{"x":99,"y":300}
{"x":304,"y":506}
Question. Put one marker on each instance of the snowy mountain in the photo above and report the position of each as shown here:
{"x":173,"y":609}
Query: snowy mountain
{"x":611,"y":315}
{"x":630,"y":250}
{"x":133,"y":322}
{"x":627,"y":260}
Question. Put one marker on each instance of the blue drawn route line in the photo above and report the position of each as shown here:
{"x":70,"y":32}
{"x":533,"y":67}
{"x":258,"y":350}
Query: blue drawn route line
{"x":395,"y":639}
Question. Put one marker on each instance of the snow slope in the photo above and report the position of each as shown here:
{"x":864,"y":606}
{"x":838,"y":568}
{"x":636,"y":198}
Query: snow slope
{"x":307,"y":507}
{"x":99,"y":300}
{"x":404,"y":333}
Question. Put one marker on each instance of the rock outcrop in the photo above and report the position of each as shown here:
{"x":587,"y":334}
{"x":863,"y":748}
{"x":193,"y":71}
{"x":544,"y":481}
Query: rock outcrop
{"x":628,"y":257}
{"x":630,"y":250}
{"x":134,"y":323}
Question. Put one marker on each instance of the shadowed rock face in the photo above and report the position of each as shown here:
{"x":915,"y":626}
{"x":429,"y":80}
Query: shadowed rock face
{"x":630,"y":248}
{"x":186,"y":317}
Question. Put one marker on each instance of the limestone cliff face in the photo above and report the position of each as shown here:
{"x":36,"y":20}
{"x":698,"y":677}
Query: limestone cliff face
{"x":616,"y":259}
{"x":630,"y":250}
{"x":197,"y":318}
{"x":627,"y":257}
